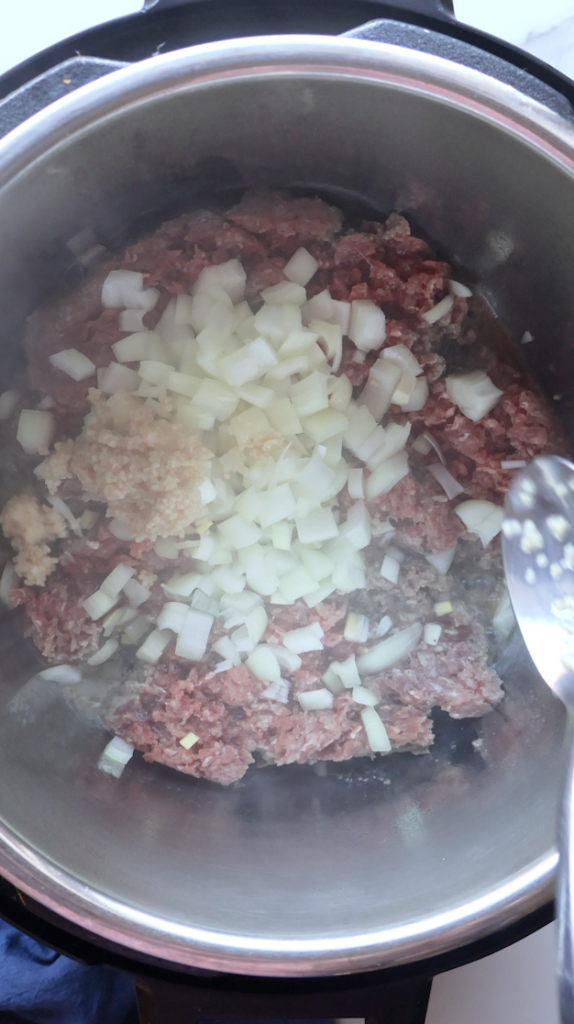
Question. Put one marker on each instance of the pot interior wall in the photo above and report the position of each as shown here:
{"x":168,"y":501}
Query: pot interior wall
{"x":287,"y":853}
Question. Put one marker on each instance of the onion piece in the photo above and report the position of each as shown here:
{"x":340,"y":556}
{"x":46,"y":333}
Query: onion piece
{"x":263,"y":664}
{"x":284,"y":293}
{"x":367,"y":325}
{"x":360,"y":428}
{"x":504,"y":620}
{"x":386,"y":475}
{"x":256,"y":624}
{"x":117,"y":377}
{"x":332,"y":336}
{"x":238,"y":533}
{"x":227,"y":649}
{"x":117,"y":579}
{"x":192,"y":640}
{"x":35,"y":431}
{"x":296,"y":584}
{"x":244,"y":602}
{"x":390,"y":651}
{"x":310,"y":394}
{"x":442,"y":560}
{"x":376,"y":733}
{"x":223,"y":666}
{"x":115,"y":756}
{"x":301,"y":641}
{"x":384,"y":625}
{"x":450,"y":486}
{"x":172,"y":616}
{"x":333,"y":682}
{"x":404,"y":389}
{"x":441,"y":309}
{"x":105,"y":653}
{"x":361,"y":695}
{"x":442,"y":608}
{"x":459,"y":289}
{"x":318,"y":526}
{"x":136,"y":629}
{"x":432,"y":633}
{"x":422,"y":445}
{"x":356,"y":628}
{"x":419,"y":396}
{"x":301,"y":267}
{"x":98,"y":604}
{"x":404,"y":358}
{"x":61,"y":674}
{"x":481,"y":517}
{"x":381,"y":385}
{"x":390,"y":569}
{"x":228,"y":277}
{"x":474,"y":393}
{"x":136,"y":593}
{"x":355,"y":483}
{"x":320,"y":307}
{"x":131,"y":320}
{"x":278,"y":690}
{"x":341,"y":315}
{"x":8,"y":403}
{"x":65,"y":510}
{"x":153,"y":646}
{"x":120,"y":529}
{"x":122,"y":288}
{"x":316,"y":700}
{"x":347,"y":672}
{"x":73,"y":363}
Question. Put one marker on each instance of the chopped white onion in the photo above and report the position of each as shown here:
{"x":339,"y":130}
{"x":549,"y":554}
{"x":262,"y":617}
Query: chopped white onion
{"x":228,"y":277}
{"x":117,"y":579}
{"x":481,"y":517}
{"x":384,"y":625}
{"x":419,"y":396}
{"x":227,"y":649}
{"x":8,"y":403}
{"x":188,"y":741}
{"x":320,"y":307}
{"x":308,"y":638}
{"x":65,"y":510}
{"x":223,"y":666}
{"x":442,"y":608}
{"x":432,"y":633}
{"x":450,"y":486}
{"x":165,"y":547}
{"x":367,"y":325}
{"x":441,"y":309}
{"x":390,"y":651}
{"x":98,"y":604}
{"x":61,"y":674}
{"x":333,"y":682}
{"x":296,"y":584}
{"x":404,"y":358}
{"x":120,"y":529}
{"x":504,"y":620}
{"x":263,"y":664}
{"x":474,"y":393}
{"x":256,"y":624}
{"x":301,"y":267}
{"x":132,"y":320}
{"x":390,"y":569}
{"x":316,"y":700}
{"x":75,"y":364}
{"x":278,"y":690}
{"x":122,"y":288}
{"x":192,"y":640}
{"x":283,"y":294}
{"x":387,"y":474}
{"x":361,"y":695}
{"x":318,"y":526}
{"x":310,"y":394}
{"x":381,"y":385}
{"x":172,"y":616}
{"x":355,"y":483}
{"x":105,"y":653}
{"x":422,"y":445}
{"x":356,"y":628}
{"x":341,"y":315}
{"x":238,"y":533}
{"x":376,"y":733}
{"x":442,"y":560}
{"x":115,"y":756}
{"x":459,"y":289}
{"x":136,"y":629}
{"x":136,"y":593}
{"x":35,"y":431}
{"x":357,"y":527}
{"x":153,"y":646}
{"x":134,"y":348}
{"x":117,"y":377}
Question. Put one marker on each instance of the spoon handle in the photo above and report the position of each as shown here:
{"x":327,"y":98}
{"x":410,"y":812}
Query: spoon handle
{"x":565,"y":886}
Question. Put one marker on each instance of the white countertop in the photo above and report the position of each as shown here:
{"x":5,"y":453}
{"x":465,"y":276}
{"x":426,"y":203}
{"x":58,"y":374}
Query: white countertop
{"x":517,"y":985}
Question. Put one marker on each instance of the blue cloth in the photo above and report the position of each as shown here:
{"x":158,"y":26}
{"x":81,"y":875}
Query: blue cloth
{"x":40,"y":986}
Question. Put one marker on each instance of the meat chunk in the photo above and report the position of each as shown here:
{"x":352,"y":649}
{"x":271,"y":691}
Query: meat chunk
{"x":57,"y":622}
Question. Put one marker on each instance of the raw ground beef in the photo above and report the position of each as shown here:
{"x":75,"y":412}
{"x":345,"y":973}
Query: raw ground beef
{"x":156,"y":707}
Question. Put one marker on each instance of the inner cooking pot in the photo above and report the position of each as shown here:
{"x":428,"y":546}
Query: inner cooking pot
{"x":288,"y":872}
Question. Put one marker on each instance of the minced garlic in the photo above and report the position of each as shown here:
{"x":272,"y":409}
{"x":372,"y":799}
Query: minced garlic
{"x":31,"y":528}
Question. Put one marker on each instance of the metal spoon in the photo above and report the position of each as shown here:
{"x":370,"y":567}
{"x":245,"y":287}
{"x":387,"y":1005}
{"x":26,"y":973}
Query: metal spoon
{"x":538,"y":551}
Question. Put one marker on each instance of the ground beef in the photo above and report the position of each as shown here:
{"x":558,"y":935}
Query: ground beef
{"x":425,"y":521}
{"x":57,"y":622}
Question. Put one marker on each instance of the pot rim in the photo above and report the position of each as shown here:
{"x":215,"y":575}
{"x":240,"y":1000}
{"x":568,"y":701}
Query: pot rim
{"x":200,"y":67}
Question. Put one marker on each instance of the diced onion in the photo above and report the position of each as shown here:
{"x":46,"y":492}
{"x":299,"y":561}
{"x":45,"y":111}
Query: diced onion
{"x":238,"y":533}
{"x":376,"y":733}
{"x":341,"y":315}
{"x":367,"y":325}
{"x":474,"y":393}
{"x":192,"y":640}
{"x":277,"y":690}
{"x":285,"y":293}
{"x":404,"y":358}
{"x":361,"y":695}
{"x":442,"y":560}
{"x":442,"y":608}
{"x":61,"y":674}
{"x":422,"y":445}
{"x":432,"y":633}
{"x":308,"y":638}
{"x":263,"y":664}
{"x":120,"y":529}
{"x":117,"y":579}
{"x":316,"y":700}
{"x":117,"y":377}
{"x":356,"y":628}
{"x":390,"y":569}
{"x":75,"y":364}
{"x":8,"y":402}
{"x":8,"y":580}
{"x":377,"y":393}
{"x":320,"y":307}
{"x":35,"y":431}
{"x":228,"y":277}
{"x":481,"y":517}
{"x":165,"y":547}
{"x":115,"y":756}
{"x":404,"y":389}
{"x":172,"y":616}
{"x":297,"y":584}
{"x":459,"y":289}
{"x":132,"y":320}
{"x":355,"y":483}
{"x":122,"y":288}
{"x":357,"y":527}
{"x":333,"y":682}
{"x":136,"y":593}
{"x":256,"y":624}
{"x":390,"y":651}
{"x":384,"y":625}
{"x":310,"y":394}
{"x":504,"y":620}
{"x":419,"y":396}
{"x":98,"y":604}
{"x":301,"y":267}
{"x":223,"y":666}
{"x":450,"y":486}
{"x":441,"y":309}
{"x":65,"y":510}
{"x":347,"y":672}
{"x":387,"y":475}
{"x":105,"y":653}
{"x":136,"y":629}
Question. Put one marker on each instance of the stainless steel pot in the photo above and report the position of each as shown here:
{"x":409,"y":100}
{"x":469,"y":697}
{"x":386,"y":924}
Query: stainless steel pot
{"x":288,"y":873}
